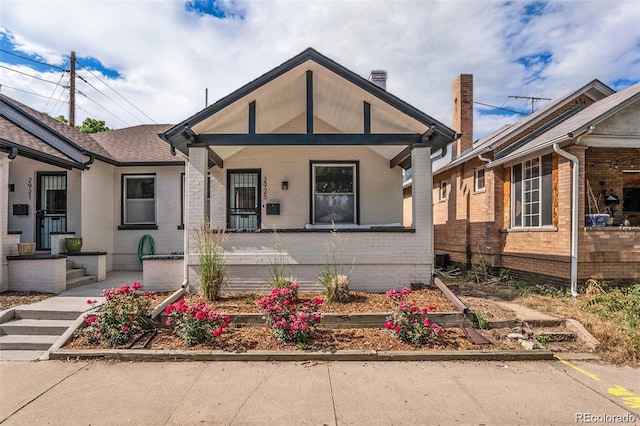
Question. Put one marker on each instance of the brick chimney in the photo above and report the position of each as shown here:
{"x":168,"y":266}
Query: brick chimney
{"x":379,"y":78}
{"x":462,"y":111}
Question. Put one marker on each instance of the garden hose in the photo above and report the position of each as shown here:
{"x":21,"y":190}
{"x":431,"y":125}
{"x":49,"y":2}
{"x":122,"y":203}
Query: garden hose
{"x":152,"y":247}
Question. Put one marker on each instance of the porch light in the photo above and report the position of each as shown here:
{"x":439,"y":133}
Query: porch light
{"x":285,"y":185}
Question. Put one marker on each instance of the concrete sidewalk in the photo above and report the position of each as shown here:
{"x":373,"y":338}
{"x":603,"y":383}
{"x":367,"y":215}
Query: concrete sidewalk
{"x":356,"y":393}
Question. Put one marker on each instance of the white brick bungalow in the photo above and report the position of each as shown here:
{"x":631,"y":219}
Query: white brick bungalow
{"x":56,"y":181}
{"x":307,"y":147}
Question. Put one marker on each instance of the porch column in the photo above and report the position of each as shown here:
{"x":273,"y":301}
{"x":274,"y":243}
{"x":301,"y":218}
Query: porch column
{"x":422,"y":202}
{"x":197,"y":197}
{"x":4,"y":208}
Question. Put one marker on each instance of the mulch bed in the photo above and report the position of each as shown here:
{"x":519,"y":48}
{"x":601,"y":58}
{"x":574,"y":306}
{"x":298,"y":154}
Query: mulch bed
{"x":11,"y":299}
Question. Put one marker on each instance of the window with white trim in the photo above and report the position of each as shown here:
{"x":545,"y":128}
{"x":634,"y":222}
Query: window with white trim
{"x":443,"y":190}
{"x":334,"y":193}
{"x":532,"y":193}
{"x":478,"y":179}
{"x":138,"y":199}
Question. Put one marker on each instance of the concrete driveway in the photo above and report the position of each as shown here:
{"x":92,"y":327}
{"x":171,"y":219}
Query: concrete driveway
{"x":333,"y":393}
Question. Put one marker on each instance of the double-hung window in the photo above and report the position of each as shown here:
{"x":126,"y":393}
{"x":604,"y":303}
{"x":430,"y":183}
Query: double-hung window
{"x":334,"y":193}
{"x":532,"y":193}
{"x":478,"y":180}
{"x":138,"y":199}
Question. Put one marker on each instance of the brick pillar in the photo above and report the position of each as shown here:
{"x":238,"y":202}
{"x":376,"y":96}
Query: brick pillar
{"x":422,"y":205}
{"x":196,"y":189}
{"x":462,"y":111}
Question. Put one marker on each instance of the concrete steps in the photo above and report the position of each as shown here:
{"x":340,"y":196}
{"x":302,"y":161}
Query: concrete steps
{"x":32,"y":332}
{"x":36,"y":327}
{"x":77,"y":277}
{"x":26,"y":342}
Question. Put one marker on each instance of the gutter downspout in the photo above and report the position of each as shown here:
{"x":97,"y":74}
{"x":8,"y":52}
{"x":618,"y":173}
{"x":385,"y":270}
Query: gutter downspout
{"x":574,"y":208}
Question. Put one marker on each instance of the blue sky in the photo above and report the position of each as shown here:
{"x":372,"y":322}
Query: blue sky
{"x":151,"y":60}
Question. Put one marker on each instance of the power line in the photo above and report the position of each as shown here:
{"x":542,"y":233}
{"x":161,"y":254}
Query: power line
{"x":54,"y":91}
{"x":103,"y":108}
{"x":503,"y":109}
{"x":116,"y":92}
{"x":103,"y":94}
{"x":32,"y":60}
{"x":2,"y":86}
{"x":28,"y":75}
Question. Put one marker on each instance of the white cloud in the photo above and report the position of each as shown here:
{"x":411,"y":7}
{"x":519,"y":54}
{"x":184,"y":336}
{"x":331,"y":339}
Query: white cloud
{"x":166,"y":56}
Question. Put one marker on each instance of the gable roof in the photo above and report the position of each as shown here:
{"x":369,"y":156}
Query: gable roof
{"x":574,"y":126}
{"x":180,"y":135}
{"x":595,"y":90}
{"x":137,"y":145}
{"x":60,"y":136}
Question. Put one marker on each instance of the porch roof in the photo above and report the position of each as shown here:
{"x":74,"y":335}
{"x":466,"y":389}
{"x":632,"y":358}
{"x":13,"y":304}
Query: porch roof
{"x":308,"y":100}
{"x":595,"y":90}
{"x":582,"y":122}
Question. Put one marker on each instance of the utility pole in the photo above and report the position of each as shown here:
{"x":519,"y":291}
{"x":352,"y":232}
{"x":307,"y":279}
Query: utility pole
{"x":533,"y":99}
{"x":72,"y":90}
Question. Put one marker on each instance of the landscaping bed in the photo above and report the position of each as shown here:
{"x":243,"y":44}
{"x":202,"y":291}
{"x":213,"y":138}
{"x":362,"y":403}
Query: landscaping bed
{"x":11,"y":299}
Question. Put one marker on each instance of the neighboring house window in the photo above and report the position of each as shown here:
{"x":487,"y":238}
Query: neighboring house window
{"x":532,"y":193}
{"x":139,"y":199}
{"x":443,"y":190}
{"x":334,"y":192}
{"x":478,"y":178}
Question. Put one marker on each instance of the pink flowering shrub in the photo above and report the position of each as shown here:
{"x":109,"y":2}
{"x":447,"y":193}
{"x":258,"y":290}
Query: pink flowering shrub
{"x":197,"y":323}
{"x":290,"y":320}
{"x":411,"y":323}
{"x":120,"y":318}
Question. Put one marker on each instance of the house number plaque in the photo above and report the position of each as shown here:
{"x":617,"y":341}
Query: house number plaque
{"x":264,"y":188}
{"x":30,"y":185}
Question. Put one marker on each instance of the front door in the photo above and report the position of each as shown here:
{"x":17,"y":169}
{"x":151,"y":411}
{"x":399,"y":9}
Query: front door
{"x":243,"y":199}
{"x":51,"y":207}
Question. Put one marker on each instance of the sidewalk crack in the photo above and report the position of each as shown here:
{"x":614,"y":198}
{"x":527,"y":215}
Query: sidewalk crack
{"x":333,"y":401}
{"x":43,"y":392}
{"x":233,"y":419}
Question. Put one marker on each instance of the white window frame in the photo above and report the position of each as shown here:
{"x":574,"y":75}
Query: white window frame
{"x":532,"y":187}
{"x":442,"y":194}
{"x":354,"y":166}
{"x":476,"y":187}
{"x":125,"y":199}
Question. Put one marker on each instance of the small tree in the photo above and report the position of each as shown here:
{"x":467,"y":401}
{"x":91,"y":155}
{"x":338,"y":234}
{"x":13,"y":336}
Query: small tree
{"x":91,"y":125}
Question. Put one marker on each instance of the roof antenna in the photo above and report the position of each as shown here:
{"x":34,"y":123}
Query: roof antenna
{"x":206,"y":97}
{"x":533,"y":100}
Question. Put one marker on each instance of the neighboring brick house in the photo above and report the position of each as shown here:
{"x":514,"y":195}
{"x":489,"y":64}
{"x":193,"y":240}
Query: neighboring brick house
{"x":306,"y":148}
{"x":507,"y":198}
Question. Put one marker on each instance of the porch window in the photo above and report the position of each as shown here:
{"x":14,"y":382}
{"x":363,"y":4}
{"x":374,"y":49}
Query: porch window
{"x":532,"y":192}
{"x":334,"y":193}
{"x":138,"y":199}
{"x":478,"y":179}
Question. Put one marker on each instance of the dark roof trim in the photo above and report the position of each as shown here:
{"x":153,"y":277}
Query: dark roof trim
{"x":176,"y":137}
{"x":26,"y":122}
{"x":149,"y":163}
{"x":305,"y":139}
{"x":33,"y":154}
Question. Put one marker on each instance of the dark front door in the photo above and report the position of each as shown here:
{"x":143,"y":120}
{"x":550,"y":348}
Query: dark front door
{"x":51,"y":207}
{"x":243,"y":199}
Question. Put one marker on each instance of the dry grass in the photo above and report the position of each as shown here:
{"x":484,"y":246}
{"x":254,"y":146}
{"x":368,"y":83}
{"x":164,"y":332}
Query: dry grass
{"x":619,"y":343}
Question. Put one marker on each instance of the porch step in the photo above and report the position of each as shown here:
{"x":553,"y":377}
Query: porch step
{"x":75,"y":273}
{"x":26,"y":342}
{"x":36,"y":327}
{"x":70,"y":264}
{"x":44,"y":314}
{"x":81,"y":280}
{"x":244,"y":285}
{"x":13,"y":355}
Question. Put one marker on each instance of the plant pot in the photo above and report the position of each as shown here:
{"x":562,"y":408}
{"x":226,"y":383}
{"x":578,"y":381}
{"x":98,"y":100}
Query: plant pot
{"x":73,"y":245}
{"x":595,"y":219}
{"x":26,"y":249}
{"x":610,"y":221}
